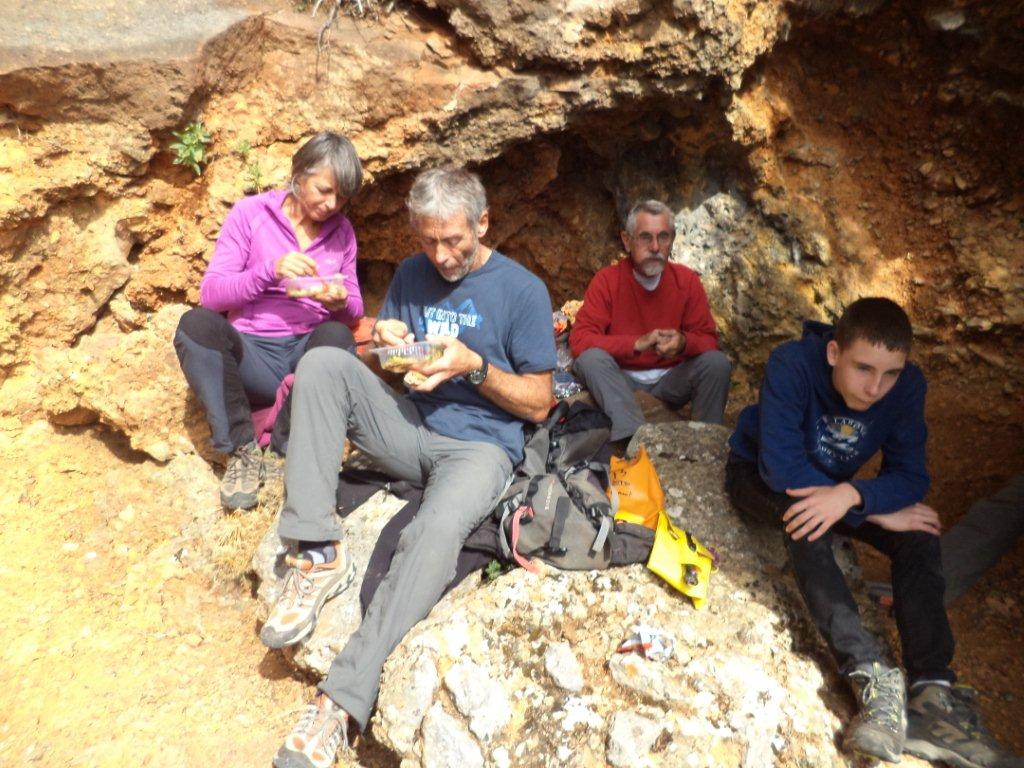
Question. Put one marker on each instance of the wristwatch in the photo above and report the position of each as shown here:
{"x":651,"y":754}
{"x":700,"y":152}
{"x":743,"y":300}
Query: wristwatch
{"x":477,"y":377}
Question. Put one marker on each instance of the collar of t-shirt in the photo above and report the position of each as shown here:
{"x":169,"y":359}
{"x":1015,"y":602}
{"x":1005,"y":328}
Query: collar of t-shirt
{"x":648,"y":283}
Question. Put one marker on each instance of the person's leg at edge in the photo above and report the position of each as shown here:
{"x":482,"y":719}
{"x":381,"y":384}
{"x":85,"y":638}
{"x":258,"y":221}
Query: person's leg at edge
{"x":329,"y":334}
{"x":465,"y":483}
{"x":991,"y":527}
{"x":702,"y":380}
{"x":611,"y":390}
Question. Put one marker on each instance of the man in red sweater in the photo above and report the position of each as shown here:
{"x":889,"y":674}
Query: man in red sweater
{"x":645,"y":324}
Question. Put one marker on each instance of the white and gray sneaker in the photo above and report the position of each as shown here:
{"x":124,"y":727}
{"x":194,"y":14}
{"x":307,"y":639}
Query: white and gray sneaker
{"x":316,"y":738}
{"x":307,"y":587}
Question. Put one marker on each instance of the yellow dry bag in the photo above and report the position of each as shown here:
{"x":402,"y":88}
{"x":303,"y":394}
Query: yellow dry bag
{"x":681,"y":560}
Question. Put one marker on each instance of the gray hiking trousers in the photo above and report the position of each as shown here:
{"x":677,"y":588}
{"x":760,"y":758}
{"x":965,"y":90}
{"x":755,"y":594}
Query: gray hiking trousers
{"x":703,"y":379}
{"x":989,"y":530}
{"x":335,"y":396}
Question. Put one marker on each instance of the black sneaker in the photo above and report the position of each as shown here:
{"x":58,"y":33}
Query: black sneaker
{"x":880,"y":728}
{"x":945,"y":726}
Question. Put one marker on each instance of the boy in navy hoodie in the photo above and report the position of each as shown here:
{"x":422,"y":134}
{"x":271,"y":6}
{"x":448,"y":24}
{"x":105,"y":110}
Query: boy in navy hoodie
{"x":828,"y":403}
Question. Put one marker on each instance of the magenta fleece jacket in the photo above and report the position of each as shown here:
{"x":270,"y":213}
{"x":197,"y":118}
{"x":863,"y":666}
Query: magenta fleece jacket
{"x":240,"y":279}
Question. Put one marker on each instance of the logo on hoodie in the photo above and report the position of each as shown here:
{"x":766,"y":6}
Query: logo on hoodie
{"x":838,"y":438}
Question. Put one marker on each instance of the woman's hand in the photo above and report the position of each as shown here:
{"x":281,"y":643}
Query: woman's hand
{"x":334,"y":297}
{"x":294,"y":264}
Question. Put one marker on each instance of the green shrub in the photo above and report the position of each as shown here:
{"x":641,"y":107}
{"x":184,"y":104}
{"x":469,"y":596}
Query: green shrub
{"x":190,"y":147}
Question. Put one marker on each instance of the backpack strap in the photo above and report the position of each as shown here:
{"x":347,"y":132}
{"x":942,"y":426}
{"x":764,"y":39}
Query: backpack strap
{"x":602,"y":534}
{"x":517,"y":516}
{"x":562,"y":508}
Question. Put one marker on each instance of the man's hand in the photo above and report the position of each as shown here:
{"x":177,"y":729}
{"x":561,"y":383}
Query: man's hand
{"x":916,"y":517}
{"x":457,"y":360}
{"x":820,"y":507}
{"x":294,"y":264}
{"x":670,"y":343}
{"x":334,"y":297}
{"x":645,"y":342}
{"x":392,"y":333}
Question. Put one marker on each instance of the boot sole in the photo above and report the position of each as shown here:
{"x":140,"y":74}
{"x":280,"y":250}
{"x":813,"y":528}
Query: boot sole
{"x":932,"y":752}
{"x":239,"y":500}
{"x":305,"y":631}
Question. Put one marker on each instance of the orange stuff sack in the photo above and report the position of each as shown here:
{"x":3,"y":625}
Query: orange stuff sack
{"x":638,"y":488}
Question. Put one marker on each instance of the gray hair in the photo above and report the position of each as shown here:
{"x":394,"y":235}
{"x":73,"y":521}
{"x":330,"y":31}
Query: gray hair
{"x":653,"y":207}
{"x":441,"y":193}
{"x":334,"y":151}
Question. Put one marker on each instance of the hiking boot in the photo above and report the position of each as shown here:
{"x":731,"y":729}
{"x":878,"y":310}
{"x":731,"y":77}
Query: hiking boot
{"x":242,"y":478}
{"x":273,"y":466}
{"x":880,"y":728}
{"x":306,"y":588}
{"x":945,"y":726}
{"x":315,"y":740}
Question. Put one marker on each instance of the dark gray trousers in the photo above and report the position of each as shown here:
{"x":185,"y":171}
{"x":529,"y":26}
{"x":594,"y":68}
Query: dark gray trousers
{"x":703,"y":379}
{"x":989,"y":530}
{"x":335,"y":396}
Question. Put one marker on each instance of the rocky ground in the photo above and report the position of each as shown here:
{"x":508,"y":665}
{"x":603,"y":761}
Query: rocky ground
{"x":814,"y":151}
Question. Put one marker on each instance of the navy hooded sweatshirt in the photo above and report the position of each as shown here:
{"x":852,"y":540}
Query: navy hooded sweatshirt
{"x":801,"y":433}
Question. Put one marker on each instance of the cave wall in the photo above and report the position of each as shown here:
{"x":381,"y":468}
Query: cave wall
{"x":814,"y":154}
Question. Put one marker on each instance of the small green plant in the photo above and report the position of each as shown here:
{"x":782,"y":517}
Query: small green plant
{"x":254,"y":176}
{"x":190,"y":147}
{"x":243,"y":148}
{"x":494,"y":569}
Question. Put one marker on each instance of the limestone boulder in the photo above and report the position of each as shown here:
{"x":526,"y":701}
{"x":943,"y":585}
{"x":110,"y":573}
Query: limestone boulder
{"x":524,"y":670}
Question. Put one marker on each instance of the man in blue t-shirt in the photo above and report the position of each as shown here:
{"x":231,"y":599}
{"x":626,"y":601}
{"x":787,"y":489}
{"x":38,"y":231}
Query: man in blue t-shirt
{"x":458,"y":432}
{"x":828,"y":403}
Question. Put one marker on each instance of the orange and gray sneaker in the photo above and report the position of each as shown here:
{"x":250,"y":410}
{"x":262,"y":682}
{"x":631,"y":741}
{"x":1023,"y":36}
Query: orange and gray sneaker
{"x":944,"y":726}
{"x":315,"y":740}
{"x":307,"y":587}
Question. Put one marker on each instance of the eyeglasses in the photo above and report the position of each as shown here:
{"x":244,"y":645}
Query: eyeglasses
{"x":646,"y":238}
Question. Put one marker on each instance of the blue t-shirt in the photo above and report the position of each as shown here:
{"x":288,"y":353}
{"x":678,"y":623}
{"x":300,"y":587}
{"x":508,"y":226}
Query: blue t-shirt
{"x":802,"y":434}
{"x":501,"y":311}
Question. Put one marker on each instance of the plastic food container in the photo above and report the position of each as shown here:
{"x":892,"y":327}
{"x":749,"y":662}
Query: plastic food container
{"x":401,"y":359}
{"x":299,"y":287}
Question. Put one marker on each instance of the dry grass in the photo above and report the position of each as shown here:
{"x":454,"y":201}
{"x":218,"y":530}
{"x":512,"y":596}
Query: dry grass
{"x":237,"y":534}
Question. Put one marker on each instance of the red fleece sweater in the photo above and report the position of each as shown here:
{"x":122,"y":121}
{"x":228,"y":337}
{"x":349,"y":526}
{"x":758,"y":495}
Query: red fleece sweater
{"x":617,"y":310}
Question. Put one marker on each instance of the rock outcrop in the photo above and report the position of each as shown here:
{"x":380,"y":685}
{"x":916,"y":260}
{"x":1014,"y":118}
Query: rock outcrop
{"x":524,"y":671}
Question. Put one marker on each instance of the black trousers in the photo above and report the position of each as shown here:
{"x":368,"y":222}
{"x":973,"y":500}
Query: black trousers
{"x":918,"y":584}
{"x":230,"y":372}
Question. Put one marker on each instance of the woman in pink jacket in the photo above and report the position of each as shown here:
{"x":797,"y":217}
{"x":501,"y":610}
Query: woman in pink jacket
{"x":248,"y":333}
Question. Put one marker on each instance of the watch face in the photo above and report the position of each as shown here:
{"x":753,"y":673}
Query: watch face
{"x":477,"y":377}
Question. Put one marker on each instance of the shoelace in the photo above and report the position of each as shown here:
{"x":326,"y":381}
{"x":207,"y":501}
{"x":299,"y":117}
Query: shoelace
{"x":300,"y":587}
{"x":882,"y":695}
{"x":246,"y":459}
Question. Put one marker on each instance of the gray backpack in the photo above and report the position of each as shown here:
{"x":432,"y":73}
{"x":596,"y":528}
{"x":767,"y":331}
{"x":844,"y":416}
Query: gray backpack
{"x":556,"y":508}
